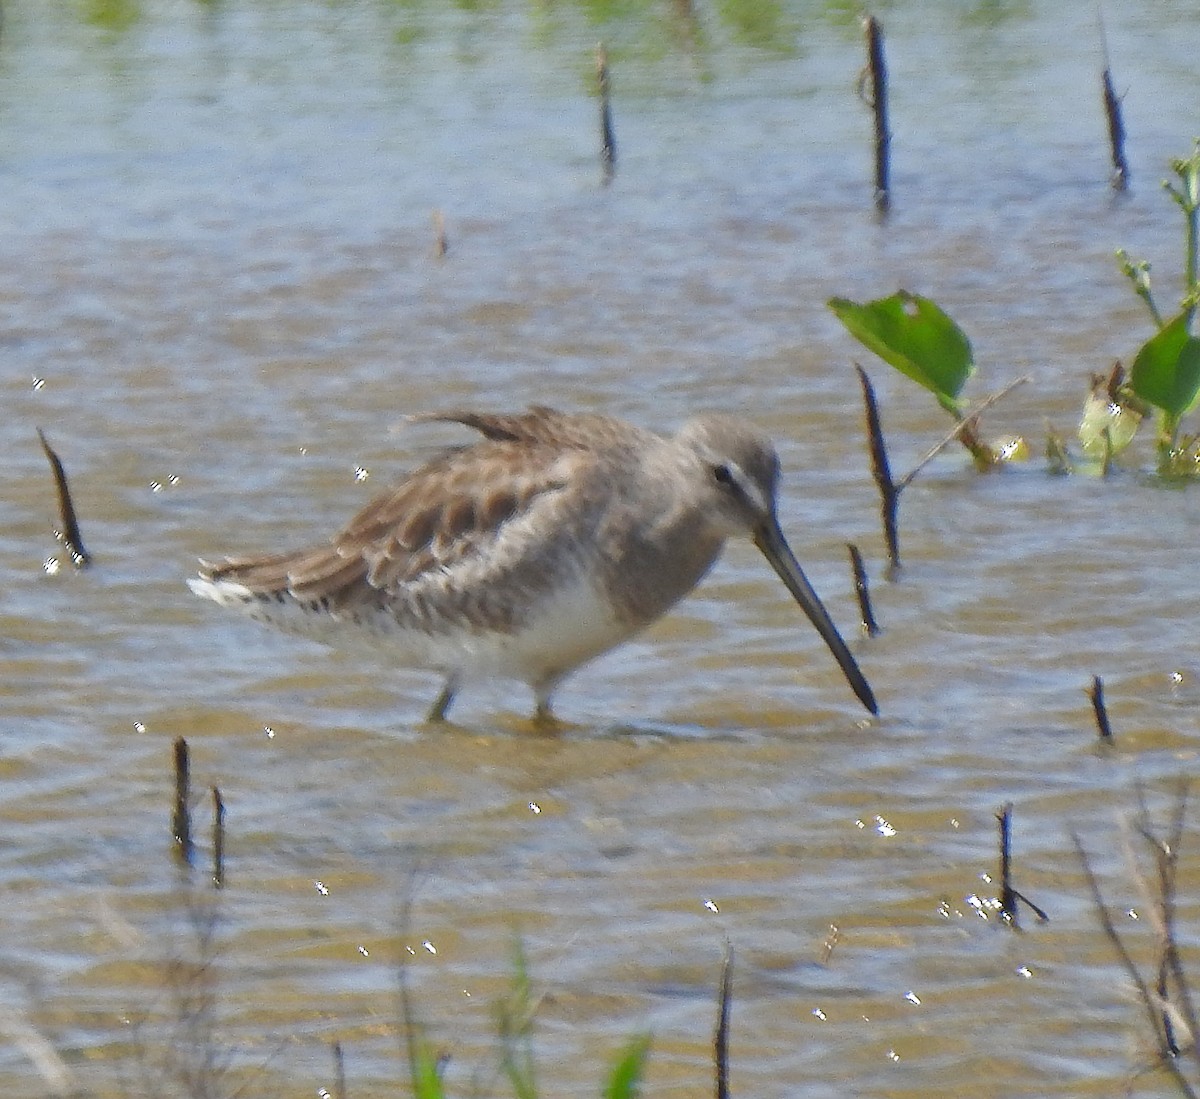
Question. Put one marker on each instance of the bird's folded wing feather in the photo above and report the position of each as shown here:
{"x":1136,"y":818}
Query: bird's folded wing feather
{"x":455,"y":508}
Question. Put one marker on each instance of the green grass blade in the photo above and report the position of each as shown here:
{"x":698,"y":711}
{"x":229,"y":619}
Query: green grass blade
{"x":624,"y":1082}
{"x":915,"y":336}
{"x":426,"y":1081}
{"x":515,"y":1019}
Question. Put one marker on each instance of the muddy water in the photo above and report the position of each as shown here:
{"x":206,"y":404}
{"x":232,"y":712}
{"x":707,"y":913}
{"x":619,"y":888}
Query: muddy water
{"x":219,"y":295}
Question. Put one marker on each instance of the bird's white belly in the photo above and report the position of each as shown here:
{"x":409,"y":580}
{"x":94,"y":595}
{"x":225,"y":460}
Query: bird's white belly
{"x":563,"y":629}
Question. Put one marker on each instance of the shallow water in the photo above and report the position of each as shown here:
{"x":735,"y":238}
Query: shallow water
{"x":220,"y":296}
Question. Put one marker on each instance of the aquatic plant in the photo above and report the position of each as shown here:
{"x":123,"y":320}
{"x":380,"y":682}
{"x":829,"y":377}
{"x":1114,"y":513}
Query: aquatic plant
{"x":916,"y":336}
{"x":1166,"y":369}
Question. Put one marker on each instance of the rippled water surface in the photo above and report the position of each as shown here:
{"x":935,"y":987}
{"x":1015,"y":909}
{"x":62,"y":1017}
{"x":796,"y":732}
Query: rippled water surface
{"x":219,"y":294}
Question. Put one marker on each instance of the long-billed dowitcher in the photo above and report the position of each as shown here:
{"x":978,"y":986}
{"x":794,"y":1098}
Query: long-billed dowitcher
{"x":524,"y":555}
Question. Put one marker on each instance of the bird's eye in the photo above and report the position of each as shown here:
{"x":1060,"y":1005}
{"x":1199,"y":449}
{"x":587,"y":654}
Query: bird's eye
{"x":722,"y":475}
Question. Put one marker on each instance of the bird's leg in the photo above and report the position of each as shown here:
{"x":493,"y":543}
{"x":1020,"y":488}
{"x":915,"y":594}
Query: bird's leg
{"x":543,"y":714}
{"x":437,"y":712}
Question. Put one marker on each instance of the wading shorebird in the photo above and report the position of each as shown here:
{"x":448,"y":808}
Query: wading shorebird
{"x":526,"y":554}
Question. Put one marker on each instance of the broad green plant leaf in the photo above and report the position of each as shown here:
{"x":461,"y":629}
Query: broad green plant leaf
{"x":915,"y":336}
{"x":1166,"y":372}
{"x":625,"y":1080}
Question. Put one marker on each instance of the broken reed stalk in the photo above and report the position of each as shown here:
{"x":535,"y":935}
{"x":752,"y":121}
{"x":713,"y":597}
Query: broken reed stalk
{"x":608,"y":142}
{"x":1010,"y":898}
{"x":69,"y":533}
{"x":721,"y":1038}
{"x":863,"y":591}
{"x":181,"y":817}
{"x":1096,"y":694}
{"x":218,"y":868}
{"x":877,"y":73}
{"x":881,"y":470}
{"x":1116,"y":125}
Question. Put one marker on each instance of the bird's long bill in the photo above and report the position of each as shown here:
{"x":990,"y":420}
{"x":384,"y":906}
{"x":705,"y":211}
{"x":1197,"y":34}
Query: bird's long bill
{"x":769,"y":538}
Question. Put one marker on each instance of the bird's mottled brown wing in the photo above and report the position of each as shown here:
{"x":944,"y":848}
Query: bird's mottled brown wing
{"x":539,"y":424}
{"x":456,"y":507}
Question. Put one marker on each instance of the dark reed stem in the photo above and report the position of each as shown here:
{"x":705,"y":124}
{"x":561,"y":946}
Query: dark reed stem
{"x":218,"y":856}
{"x":608,"y":141}
{"x":1010,"y":897}
{"x":721,"y":1039}
{"x":181,"y":817}
{"x":69,"y":533}
{"x":1096,"y":694}
{"x":877,"y":70}
{"x":1116,"y":124}
{"x":863,"y":591}
{"x":881,"y":470}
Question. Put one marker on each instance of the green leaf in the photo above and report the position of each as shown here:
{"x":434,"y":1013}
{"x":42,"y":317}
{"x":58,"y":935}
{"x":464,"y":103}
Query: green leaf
{"x":916,"y":337}
{"x":626,"y":1077}
{"x":1166,"y":372}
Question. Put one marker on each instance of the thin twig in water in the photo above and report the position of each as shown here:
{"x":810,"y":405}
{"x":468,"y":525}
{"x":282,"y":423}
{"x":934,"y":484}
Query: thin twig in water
{"x":1096,"y":694}
{"x":721,"y":1040}
{"x":1153,"y":1006}
{"x":965,"y":424}
{"x":863,"y":591}
{"x":1112,"y":111}
{"x":69,"y":534}
{"x":1010,"y":897}
{"x":877,"y":71}
{"x":181,"y":816}
{"x":881,"y":469}
{"x":218,"y":855}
